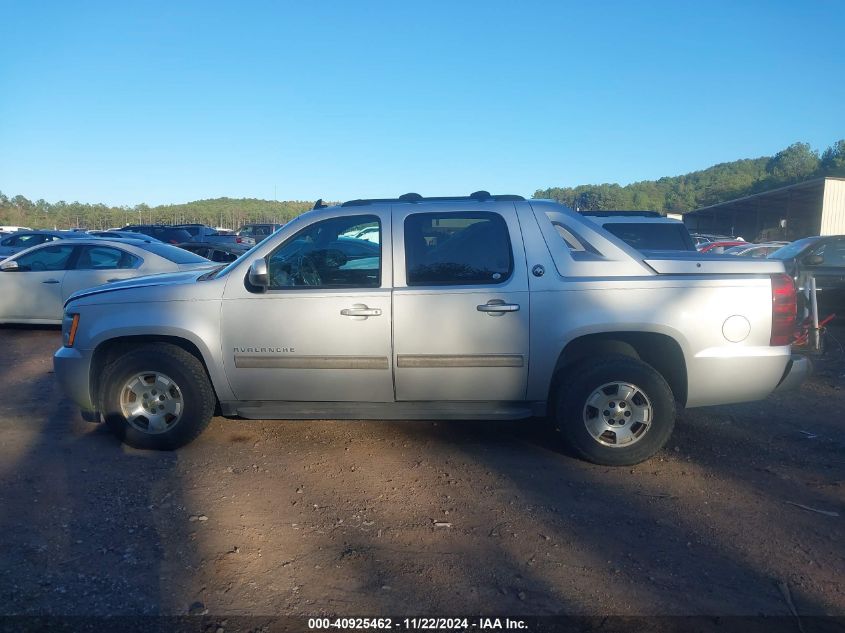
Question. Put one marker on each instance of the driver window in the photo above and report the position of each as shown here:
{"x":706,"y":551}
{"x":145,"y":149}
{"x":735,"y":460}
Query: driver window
{"x":47,"y":258}
{"x":329,"y":254}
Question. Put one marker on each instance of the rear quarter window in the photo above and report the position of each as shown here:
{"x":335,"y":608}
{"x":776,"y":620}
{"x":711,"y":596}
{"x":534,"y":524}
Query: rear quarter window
{"x":652,"y":236}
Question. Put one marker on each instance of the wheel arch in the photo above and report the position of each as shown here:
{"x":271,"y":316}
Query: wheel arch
{"x":658,"y":350}
{"x":109,"y":350}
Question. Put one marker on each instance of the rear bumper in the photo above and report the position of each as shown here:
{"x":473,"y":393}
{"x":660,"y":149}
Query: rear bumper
{"x":798,"y":369}
{"x":73,"y":371}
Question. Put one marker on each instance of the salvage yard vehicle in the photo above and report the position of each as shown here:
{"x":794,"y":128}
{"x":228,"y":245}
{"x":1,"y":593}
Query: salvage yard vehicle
{"x":824,"y":258}
{"x":206,"y":234}
{"x":258,"y":232}
{"x":22,"y":240}
{"x":754,"y":250}
{"x":35,"y":283}
{"x":162,"y":232}
{"x":478,"y":307}
{"x":215,"y":252}
{"x":124,"y":235}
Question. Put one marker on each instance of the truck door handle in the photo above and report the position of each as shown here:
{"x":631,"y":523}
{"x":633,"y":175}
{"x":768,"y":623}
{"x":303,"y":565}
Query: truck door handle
{"x":360,"y":310}
{"x":497,"y":305}
{"x":50,"y":281}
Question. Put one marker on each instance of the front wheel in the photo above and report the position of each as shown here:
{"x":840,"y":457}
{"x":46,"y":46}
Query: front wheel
{"x":157,"y":397}
{"x":614,"y":410}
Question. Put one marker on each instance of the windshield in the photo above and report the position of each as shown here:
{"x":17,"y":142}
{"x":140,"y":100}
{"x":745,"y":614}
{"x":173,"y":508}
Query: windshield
{"x":791,"y":250}
{"x":652,"y":236}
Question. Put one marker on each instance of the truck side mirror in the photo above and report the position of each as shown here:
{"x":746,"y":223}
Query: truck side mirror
{"x":258,"y":274}
{"x":814,"y":260}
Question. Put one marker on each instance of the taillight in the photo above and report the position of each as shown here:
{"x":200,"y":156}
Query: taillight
{"x":784,"y":309}
{"x":239,"y":240}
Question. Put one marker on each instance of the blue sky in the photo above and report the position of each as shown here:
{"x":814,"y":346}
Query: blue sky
{"x":173,"y":101}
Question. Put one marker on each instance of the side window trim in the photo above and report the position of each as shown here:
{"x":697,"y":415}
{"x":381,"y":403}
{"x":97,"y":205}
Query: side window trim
{"x":498,"y":220}
{"x":362,"y":218}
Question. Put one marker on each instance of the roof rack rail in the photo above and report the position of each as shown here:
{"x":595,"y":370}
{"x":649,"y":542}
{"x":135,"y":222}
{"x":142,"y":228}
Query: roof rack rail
{"x":478,"y":196}
{"x":634,"y":214}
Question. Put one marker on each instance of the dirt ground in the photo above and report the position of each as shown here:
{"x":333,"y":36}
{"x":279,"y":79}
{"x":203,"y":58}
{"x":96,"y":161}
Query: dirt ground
{"x":426,"y":518}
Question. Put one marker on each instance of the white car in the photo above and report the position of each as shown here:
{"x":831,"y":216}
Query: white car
{"x":35,"y":283}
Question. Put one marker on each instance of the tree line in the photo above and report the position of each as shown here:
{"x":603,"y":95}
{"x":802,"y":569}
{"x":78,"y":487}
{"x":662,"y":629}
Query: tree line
{"x":725,"y":181}
{"x":676,"y":194}
{"x":227,"y":213}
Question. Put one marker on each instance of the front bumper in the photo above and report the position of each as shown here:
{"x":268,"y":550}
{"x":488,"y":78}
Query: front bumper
{"x":73,"y":370}
{"x":798,"y":369}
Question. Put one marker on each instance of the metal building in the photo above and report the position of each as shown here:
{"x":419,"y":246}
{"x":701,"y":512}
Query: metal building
{"x":813,"y":207}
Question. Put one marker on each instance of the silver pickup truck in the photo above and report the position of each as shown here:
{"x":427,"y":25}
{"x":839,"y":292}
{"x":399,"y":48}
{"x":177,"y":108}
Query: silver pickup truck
{"x":478,"y":307}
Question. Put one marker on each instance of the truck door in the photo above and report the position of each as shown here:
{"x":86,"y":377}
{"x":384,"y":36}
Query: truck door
{"x":321,"y":331}
{"x":460,"y":303}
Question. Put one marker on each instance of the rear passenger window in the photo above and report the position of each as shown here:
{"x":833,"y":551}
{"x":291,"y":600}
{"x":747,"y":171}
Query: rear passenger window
{"x":457,"y":249}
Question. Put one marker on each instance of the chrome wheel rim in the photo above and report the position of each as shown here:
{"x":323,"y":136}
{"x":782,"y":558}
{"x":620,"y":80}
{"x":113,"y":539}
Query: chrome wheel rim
{"x":151,"y":402}
{"x":618,"y":414}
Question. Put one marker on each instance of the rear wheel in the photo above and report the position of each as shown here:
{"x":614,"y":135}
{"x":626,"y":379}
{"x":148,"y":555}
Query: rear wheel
{"x":157,"y":396}
{"x":614,"y":410}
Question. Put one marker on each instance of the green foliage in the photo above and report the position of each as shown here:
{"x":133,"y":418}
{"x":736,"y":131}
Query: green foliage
{"x":725,"y":181}
{"x":833,"y":159}
{"x":221,"y":212}
{"x":793,"y":164}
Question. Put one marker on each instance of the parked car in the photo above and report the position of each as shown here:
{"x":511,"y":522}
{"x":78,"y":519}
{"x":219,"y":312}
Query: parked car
{"x":824,"y":258}
{"x":21,"y":240}
{"x":167,"y":234}
{"x":215,"y":252}
{"x":6,"y":228}
{"x":258,"y":232}
{"x":123,"y":235}
{"x":35,"y":283}
{"x":645,"y":231}
{"x":203,"y":233}
{"x":757,"y":251}
{"x":480,"y":307}
{"x":717,"y":248}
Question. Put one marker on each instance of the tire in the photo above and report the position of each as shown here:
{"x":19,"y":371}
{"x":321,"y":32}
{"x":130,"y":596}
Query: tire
{"x":156,"y":397}
{"x":637,"y":398}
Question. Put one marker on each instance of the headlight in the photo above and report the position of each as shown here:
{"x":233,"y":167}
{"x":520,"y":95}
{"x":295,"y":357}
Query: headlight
{"x":70,"y":323}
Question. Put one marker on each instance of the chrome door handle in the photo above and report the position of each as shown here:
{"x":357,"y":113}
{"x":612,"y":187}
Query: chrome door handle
{"x":497,"y":305}
{"x":361,"y":311}
{"x":50,"y":281}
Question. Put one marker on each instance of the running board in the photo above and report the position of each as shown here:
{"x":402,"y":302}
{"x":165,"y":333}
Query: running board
{"x":383,"y":410}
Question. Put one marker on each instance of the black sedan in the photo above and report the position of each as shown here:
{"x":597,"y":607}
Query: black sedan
{"x":223,"y":253}
{"x":824,"y":258}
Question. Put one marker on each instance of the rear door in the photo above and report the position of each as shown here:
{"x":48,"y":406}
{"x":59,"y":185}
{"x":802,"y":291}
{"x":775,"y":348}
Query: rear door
{"x":97,"y":265}
{"x":461,"y":310}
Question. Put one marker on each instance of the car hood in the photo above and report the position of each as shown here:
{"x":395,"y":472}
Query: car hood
{"x":181,"y":278}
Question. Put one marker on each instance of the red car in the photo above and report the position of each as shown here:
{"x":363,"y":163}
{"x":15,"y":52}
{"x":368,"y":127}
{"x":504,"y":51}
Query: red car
{"x":717,"y":248}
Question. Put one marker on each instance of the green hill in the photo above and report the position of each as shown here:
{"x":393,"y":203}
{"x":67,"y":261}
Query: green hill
{"x":678,"y":194}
